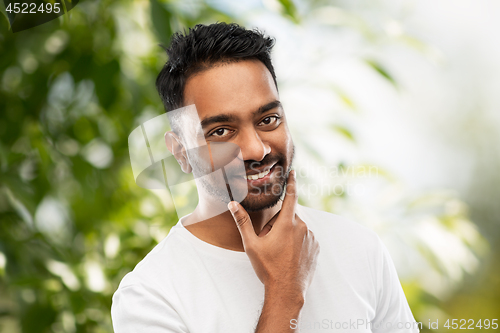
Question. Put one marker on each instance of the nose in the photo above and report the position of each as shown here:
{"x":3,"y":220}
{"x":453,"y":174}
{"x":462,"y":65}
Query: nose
{"x":252,"y":146}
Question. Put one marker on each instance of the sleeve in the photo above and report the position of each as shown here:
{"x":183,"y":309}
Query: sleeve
{"x":137,"y":308}
{"x":393,"y":314}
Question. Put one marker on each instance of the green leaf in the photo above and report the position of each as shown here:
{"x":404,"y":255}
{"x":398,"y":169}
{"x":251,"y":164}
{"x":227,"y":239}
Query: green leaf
{"x":2,"y":10}
{"x":382,"y":71}
{"x":162,"y":15}
{"x":346,"y":133}
{"x":345,"y":98}
{"x":290,"y":10}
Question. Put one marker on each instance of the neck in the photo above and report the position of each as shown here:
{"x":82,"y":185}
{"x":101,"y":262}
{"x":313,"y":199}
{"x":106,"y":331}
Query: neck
{"x":221,"y":230}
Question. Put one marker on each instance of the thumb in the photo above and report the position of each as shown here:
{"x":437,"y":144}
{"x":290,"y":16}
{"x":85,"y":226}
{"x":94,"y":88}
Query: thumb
{"x":242,"y":220}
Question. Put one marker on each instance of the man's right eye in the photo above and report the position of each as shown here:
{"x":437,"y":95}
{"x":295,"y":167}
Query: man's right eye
{"x":220,"y":133}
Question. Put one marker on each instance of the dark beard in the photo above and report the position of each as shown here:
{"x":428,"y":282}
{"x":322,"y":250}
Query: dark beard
{"x":258,"y":198}
{"x":272,"y":197}
{"x":272,"y":193}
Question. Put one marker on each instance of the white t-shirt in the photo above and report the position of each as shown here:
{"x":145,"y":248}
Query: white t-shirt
{"x":187,"y":285}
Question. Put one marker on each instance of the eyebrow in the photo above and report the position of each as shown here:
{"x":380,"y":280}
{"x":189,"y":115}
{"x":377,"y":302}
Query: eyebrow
{"x":222,"y":118}
{"x":267,"y":107}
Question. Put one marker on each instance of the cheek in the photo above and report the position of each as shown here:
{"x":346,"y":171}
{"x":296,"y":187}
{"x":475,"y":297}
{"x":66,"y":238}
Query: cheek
{"x":287,"y":137}
{"x":282,"y":141}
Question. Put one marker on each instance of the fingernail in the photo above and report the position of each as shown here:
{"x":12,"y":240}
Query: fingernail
{"x":233,"y":207}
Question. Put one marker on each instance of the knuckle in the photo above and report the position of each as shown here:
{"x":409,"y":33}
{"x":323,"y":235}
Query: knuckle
{"x":241,"y":219}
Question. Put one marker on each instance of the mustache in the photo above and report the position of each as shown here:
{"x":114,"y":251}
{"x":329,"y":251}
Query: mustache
{"x":266,"y":161}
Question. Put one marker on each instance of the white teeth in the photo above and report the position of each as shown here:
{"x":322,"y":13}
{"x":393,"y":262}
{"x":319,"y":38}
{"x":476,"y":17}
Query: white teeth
{"x":258,"y":176}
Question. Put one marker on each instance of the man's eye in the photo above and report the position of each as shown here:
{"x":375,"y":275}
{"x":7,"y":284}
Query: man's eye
{"x":221,"y":132}
{"x":269,"y":120}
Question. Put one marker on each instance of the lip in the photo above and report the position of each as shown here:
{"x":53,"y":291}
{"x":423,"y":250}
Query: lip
{"x":257,"y":171}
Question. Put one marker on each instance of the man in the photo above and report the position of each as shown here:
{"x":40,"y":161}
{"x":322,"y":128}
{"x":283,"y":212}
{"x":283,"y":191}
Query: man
{"x":257,"y":267}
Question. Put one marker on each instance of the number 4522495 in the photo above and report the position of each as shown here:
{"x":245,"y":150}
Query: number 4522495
{"x":32,"y":8}
{"x":470,"y":324}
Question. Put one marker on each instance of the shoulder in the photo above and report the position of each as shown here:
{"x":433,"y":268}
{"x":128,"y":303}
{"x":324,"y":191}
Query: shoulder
{"x":148,"y":293}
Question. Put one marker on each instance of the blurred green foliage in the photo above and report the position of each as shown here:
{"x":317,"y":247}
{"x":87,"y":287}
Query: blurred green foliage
{"x":73,"y":222}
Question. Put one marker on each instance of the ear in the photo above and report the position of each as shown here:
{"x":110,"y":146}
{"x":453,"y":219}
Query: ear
{"x":175,"y":146}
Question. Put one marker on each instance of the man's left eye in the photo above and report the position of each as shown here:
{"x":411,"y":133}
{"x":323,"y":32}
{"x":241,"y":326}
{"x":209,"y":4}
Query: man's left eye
{"x":269,"y":120}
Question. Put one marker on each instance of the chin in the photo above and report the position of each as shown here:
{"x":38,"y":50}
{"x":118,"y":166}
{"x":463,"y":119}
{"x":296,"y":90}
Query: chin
{"x":254,"y":203}
{"x":265,"y":197}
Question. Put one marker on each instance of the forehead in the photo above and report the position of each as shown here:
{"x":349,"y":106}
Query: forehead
{"x":237,"y":88}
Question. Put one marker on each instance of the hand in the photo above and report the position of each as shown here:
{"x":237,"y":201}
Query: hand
{"x":284,"y":257}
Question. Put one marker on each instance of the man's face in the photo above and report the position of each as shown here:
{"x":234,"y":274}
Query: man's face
{"x":238,"y":103}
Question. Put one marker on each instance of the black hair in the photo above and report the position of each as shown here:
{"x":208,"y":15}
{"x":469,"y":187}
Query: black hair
{"x":203,"y":47}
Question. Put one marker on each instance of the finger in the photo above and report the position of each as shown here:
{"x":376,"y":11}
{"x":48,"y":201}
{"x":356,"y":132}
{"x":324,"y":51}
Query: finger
{"x":290,"y":201}
{"x":243,"y":221}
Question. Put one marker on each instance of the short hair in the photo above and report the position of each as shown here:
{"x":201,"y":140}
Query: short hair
{"x":203,"y":47}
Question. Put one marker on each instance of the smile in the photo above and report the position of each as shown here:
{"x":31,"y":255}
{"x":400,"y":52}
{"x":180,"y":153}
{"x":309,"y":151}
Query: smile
{"x":258,"y":176}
